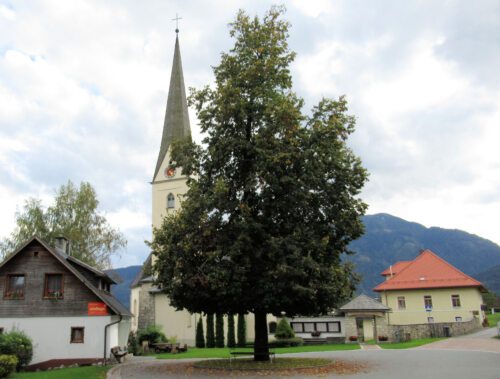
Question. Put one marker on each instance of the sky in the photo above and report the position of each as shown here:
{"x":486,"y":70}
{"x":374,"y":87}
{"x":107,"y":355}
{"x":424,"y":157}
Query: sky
{"x":83,"y":90}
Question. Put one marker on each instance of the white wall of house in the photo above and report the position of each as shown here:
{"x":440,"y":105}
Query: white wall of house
{"x":52,"y":335}
{"x":327,"y":326}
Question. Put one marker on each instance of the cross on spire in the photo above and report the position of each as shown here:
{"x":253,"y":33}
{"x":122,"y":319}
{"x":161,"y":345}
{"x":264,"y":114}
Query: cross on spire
{"x":176,"y":19}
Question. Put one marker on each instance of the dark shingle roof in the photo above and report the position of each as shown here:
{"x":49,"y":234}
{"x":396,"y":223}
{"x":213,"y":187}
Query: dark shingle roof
{"x":364,"y":303}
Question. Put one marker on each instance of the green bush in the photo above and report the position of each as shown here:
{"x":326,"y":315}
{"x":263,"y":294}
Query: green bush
{"x":8,"y":364}
{"x":152,"y":334}
{"x":200,"y":337}
{"x":219,"y":330}
{"x":231,"y":341}
{"x":242,"y":330}
{"x":287,"y":342}
{"x":133,"y":344}
{"x":19,"y":344}
{"x":284,"y":330}
{"x":210,"y":330}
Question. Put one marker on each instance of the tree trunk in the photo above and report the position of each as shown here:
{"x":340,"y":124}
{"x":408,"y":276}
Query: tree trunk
{"x":261,"y":346}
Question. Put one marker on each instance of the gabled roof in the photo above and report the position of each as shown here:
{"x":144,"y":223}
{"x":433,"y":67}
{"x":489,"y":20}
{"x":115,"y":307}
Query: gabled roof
{"x":364,"y":303}
{"x":176,"y":125}
{"x":395,"y":268}
{"x":428,"y":271}
{"x":64,"y":259}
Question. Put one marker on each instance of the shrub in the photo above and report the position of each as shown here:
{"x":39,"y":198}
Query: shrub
{"x":286,"y":342}
{"x":19,"y":344}
{"x":200,"y":338}
{"x":231,"y":341}
{"x":353,"y":338}
{"x":152,"y":334}
{"x":133,"y":344}
{"x":284,"y":330}
{"x":8,"y":364}
{"x":242,"y":331}
{"x":383,"y":338}
{"x":210,"y":330}
{"x":219,"y":330}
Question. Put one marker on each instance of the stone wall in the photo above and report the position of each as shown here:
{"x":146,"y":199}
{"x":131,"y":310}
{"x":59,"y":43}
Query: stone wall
{"x":397,"y":333}
{"x":146,"y":309}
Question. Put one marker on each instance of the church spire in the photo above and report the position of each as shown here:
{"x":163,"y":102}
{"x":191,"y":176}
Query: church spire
{"x":176,"y":125}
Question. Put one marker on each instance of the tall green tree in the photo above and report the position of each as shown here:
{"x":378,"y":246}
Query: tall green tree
{"x":219,"y":330}
{"x":231,"y":340}
{"x":210,"y":330}
{"x":242,"y":330}
{"x":200,"y":338}
{"x":73,"y":214}
{"x":275,"y":203}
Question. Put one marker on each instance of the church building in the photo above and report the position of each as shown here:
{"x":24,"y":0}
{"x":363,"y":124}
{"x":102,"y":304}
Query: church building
{"x":148,"y":305}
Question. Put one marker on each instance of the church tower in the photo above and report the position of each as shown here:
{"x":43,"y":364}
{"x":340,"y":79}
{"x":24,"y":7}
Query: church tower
{"x":148,"y":304}
{"x":168,"y":184}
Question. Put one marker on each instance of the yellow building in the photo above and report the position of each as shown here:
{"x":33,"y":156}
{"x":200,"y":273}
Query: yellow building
{"x":430,"y":290}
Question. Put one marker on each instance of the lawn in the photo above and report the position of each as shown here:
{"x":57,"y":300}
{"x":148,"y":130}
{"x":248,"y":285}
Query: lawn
{"x":493,"y":319}
{"x":224,"y":352}
{"x":87,"y":372}
{"x":409,"y":344}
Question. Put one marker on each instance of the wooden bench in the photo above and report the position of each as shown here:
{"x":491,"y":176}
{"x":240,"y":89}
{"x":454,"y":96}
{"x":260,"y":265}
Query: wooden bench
{"x":119,"y":353}
{"x":236,"y":354}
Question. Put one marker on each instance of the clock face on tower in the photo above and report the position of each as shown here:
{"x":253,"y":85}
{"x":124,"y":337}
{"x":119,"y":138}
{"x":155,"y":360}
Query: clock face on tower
{"x":169,"y":172}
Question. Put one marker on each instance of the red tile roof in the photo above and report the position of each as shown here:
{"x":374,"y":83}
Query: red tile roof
{"x":395,"y":268}
{"x":427,"y":271}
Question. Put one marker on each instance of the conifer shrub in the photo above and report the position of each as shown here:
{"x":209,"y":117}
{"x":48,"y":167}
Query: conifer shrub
{"x":19,"y":344}
{"x":8,"y":364}
{"x":284,"y":330}
{"x":210,"y":330}
{"x":200,"y":337}
{"x":219,"y":330}
{"x":152,"y":334}
{"x":286,"y":342}
{"x":133,"y":344}
{"x":242,"y":331}
{"x":231,"y":341}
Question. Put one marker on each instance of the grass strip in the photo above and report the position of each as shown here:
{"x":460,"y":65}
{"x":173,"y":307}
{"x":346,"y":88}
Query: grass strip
{"x":409,"y":344}
{"x":85,"y":372}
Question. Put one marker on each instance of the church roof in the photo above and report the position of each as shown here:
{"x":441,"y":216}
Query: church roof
{"x":364,"y":303}
{"x":428,"y":271}
{"x":395,"y":268}
{"x":176,"y":124}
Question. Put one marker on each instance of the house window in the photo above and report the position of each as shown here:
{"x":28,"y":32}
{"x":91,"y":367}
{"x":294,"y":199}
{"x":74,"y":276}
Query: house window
{"x":14,"y":288}
{"x":310,"y":327}
{"x":428,"y":302}
{"x":455,"y":301}
{"x":401,"y":302}
{"x":458,"y":319}
{"x":53,"y":286}
{"x":334,"y":327}
{"x":77,"y":334}
{"x":170,"y":201}
{"x":297,"y":327}
{"x":272,"y":327}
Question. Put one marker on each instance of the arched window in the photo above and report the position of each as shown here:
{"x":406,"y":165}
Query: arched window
{"x":170,"y":201}
{"x":272,"y":327}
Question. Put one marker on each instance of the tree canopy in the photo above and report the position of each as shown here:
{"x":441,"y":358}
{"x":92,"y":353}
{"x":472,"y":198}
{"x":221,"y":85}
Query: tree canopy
{"x":74,"y":214}
{"x":274,"y":205}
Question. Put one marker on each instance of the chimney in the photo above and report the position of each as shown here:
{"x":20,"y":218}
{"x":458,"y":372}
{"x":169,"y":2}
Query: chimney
{"x":62,"y":244}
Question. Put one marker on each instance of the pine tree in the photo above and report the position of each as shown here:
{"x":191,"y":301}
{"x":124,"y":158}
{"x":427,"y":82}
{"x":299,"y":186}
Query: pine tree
{"x":219,"y":330}
{"x":242,"y":331}
{"x":200,"y":338}
{"x":231,"y":342}
{"x":210,"y":330}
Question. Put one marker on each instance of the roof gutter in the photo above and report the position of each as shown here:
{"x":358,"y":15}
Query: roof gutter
{"x":106,"y":335}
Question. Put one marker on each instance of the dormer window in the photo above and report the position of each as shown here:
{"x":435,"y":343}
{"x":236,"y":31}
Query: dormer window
{"x":170,"y":201}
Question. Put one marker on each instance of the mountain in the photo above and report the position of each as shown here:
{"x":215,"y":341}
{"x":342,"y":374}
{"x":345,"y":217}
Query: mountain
{"x":491,"y":279}
{"x":389,"y":239}
{"x":124,"y":276}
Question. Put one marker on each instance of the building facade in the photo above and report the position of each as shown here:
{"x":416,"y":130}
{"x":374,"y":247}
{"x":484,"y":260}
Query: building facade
{"x":62,"y":304}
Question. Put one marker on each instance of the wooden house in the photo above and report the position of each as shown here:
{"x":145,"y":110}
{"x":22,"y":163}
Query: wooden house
{"x":63,"y":304}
